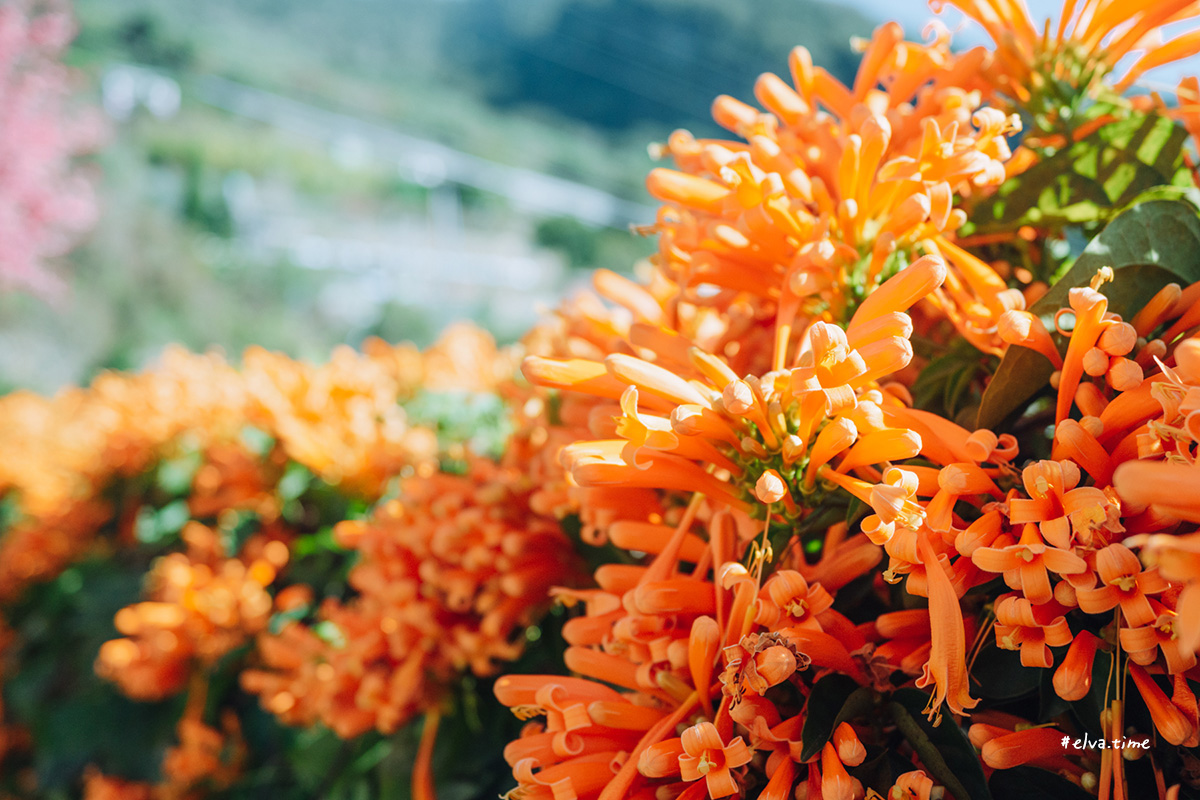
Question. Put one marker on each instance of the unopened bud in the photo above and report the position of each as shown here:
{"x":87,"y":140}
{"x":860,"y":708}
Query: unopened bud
{"x":770,"y":487}
{"x":775,"y":664}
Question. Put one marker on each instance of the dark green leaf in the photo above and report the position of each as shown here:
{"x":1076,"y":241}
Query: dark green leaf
{"x":317,"y":754}
{"x":1088,"y":708}
{"x":1050,"y":705}
{"x":945,"y":750}
{"x":1031,"y":783}
{"x":881,"y":768}
{"x":943,"y":385}
{"x":998,"y":675}
{"x":1147,"y":246}
{"x":831,"y":696}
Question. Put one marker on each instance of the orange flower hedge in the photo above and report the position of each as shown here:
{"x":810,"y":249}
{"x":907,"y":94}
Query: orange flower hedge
{"x":884,"y":473}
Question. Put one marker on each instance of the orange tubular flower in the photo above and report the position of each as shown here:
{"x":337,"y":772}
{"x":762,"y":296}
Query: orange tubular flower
{"x":1168,"y":719}
{"x":791,"y":602}
{"x":1026,"y":564}
{"x":815,"y":203}
{"x":1073,"y":678}
{"x":1087,"y":44}
{"x":204,"y":755}
{"x":342,"y":420}
{"x":1143,"y":643}
{"x":1025,"y":329}
{"x":725,"y":434}
{"x":204,"y":606}
{"x":706,"y":756}
{"x":1041,"y":746}
{"x":946,"y":669}
{"x":836,"y":783}
{"x":1089,"y":307}
{"x":850,"y":750}
{"x":916,"y":785}
{"x":1170,"y":487}
{"x":1124,"y":582}
{"x":1032,"y":629}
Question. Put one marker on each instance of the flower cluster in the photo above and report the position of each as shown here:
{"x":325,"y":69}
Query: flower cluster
{"x":449,"y":574}
{"x":762,"y":377}
{"x":341,"y":420}
{"x":872,"y":508}
{"x":246,"y":461}
{"x":203,"y":606}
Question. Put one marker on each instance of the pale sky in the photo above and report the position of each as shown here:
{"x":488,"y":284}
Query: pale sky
{"x":913,"y":14}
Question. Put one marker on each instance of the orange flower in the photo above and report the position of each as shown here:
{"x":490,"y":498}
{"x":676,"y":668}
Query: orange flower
{"x":850,"y":750}
{"x":1073,"y":678}
{"x":706,"y":756}
{"x":791,"y":602}
{"x":1123,"y":582}
{"x":204,"y":606}
{"x":946,"y":668}
{"x":1041,"y":746}
{"x":204,"y":754}
{"x":915,"y":785}
{"x":447,"y":573}
{"x":1026,"y":564}
{"x":1084,"y":49}
{"x":1167,"y":486}
{"x":1168,"y":719}
{"x":840,"y":203}
{"x":1032,"y":629}
{"x":836,"y":783}
{"x":1143,"y":642}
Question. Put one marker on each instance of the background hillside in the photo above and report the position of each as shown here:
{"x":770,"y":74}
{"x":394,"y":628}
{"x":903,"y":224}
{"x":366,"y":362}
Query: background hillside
{"x":331,"y":169}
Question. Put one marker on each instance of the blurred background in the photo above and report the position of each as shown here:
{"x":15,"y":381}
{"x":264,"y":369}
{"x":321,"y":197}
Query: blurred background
{"x":301,"y":173}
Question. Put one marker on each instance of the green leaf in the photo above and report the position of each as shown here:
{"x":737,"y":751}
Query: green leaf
{"x":175,"y":475}
{"x":1091,"y":178}
{"x":153,"y":527}
{"x":945,"y":750}
{"x":329,"y":632}
{"x":943,"y":385}
{"x":172,"y":517}
{"x":1147,"y":246}
{"x":318,"y":753}
{"x":295,"y":481}
{"x":258,"y":441}
{"x":1031,"y":783}
{"x":835,"y":699}
{"x":880,"y":769}
{"x":1187,"y":194}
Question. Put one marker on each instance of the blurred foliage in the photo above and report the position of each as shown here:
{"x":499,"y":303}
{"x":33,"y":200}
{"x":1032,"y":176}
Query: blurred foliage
{"x":142,"y":37}
{"x":543,"y":84}
{"x":620,"y":63}
{"x":167,"y":262}
{"x":478,"y":421}
{"x":586,"y":247}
